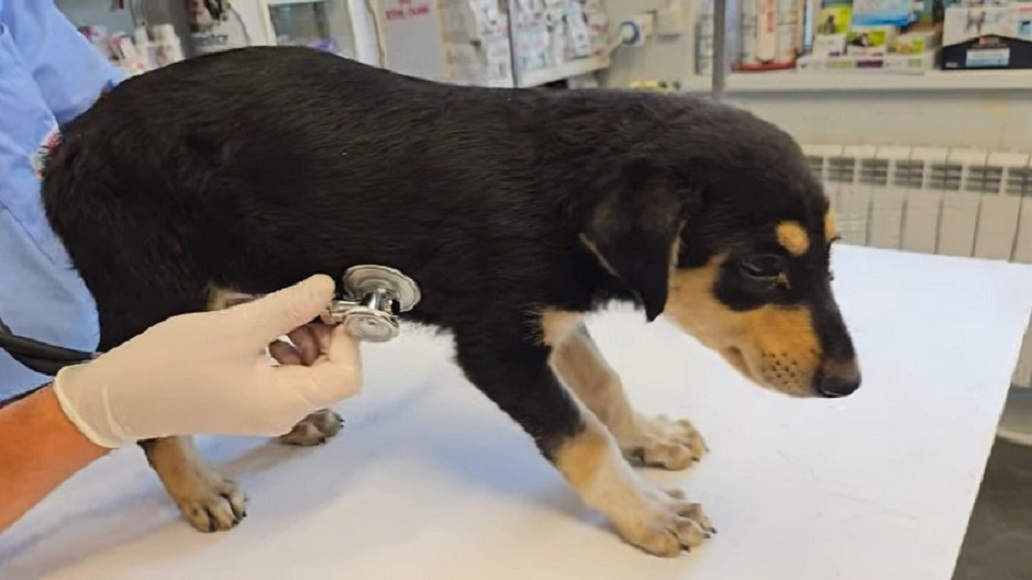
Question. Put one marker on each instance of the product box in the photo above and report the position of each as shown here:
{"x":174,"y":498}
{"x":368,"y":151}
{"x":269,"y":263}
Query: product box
{"x":916,"y":42}
{"x":882,"y":12}
{"x":833,"y":19}
{"x":871,"y":40}
{"x":890,"y":63}
{"x":825,"y":45}
{"x":980,"y":37}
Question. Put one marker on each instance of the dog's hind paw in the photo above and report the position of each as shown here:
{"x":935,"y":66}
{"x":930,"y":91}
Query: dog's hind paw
{"x":215,"y":506}
{"x":314,"y":429}
{"x":665,"y":443}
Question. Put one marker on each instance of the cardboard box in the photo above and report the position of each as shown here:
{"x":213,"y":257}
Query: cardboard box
{"x":916,"y":42}
{"x":981,"y":37}
{"x":890,"y":63}
{"x":871,"y":40}
{"x":826,"y":45}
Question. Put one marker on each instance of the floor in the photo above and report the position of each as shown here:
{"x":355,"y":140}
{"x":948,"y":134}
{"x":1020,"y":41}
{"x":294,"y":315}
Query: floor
{"x":998,"y":545}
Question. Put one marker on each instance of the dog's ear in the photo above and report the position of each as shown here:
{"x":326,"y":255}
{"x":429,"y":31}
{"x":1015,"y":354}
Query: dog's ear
{"x":633,"y":228}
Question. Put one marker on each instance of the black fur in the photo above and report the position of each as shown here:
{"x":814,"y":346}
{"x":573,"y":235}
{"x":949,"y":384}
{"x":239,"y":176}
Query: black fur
{"x":255,"y":168}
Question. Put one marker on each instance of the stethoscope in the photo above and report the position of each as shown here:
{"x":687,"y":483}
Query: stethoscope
{"x":39,"y":356}
{"x":373,"y":297}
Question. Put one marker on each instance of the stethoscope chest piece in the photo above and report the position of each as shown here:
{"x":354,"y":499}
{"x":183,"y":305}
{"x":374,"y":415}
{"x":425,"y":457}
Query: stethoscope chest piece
{"x":373,"y":297}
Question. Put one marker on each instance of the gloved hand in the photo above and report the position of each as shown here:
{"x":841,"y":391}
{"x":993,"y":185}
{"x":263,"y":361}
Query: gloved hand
{"x":207,"y":373}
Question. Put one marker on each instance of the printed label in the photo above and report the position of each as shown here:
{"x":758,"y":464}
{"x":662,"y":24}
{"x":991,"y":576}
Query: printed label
{"x":980,"y":58}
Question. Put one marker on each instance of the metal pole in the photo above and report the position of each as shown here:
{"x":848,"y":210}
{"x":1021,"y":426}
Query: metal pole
{"x":720,"y":68}
{"x":512,"y":10}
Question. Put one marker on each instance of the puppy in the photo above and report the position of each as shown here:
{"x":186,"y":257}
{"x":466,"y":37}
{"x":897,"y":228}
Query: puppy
{"x":516,"y":211}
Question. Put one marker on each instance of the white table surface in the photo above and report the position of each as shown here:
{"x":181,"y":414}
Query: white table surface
{"x":429,"y":480}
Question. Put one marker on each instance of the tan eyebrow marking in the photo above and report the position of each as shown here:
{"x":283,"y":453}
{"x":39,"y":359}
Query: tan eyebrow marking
{"x":830,"y":226}
{"x":793,"y":237}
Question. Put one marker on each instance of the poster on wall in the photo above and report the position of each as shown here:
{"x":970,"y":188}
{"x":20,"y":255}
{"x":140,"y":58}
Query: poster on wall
{"x":215,"y":26}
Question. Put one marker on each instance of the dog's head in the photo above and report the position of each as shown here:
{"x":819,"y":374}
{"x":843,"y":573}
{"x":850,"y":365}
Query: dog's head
{"x":716,"y":222}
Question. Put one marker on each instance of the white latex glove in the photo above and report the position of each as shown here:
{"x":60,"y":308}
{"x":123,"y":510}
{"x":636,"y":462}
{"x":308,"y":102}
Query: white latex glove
{"x":208,"y":373}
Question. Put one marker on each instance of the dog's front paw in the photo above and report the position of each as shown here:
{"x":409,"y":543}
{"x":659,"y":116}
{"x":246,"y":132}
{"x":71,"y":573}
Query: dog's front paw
{"x":662,"y":442}
{"x":667,"y":525}
{"x":314,"y":429}
{"x":212,"y":503}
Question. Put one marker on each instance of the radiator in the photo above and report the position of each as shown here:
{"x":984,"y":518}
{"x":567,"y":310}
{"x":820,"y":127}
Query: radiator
{"x":958,"y":202}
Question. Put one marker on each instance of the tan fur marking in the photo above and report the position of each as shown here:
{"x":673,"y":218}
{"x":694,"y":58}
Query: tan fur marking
{"x":658,"y":522}
{"x":655,"y":441}
{"x":557,"y":325}
{"x":675,"y":249}
{"x":830,"y":225}
{"x":209,"y":501}
{"x":582,"y":457}
{"x":774,"y":346}
{"x":221,"y":298}
{"x":584,"y":370}
{"x":793,"y":237}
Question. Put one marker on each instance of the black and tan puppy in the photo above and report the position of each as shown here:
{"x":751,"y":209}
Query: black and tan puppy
{"x":515,"y":211}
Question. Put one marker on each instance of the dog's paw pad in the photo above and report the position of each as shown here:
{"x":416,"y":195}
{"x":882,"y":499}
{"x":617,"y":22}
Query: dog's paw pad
{"x":664,"y":443}
{"x":216,"y":506}
{"x":314,"y":429}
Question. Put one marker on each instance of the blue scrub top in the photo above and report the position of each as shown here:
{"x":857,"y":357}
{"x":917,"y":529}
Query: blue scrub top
{"x":49,"y":74}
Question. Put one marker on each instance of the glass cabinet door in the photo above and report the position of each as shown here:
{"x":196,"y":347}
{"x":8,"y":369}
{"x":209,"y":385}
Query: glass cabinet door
{"x":321,"y":24}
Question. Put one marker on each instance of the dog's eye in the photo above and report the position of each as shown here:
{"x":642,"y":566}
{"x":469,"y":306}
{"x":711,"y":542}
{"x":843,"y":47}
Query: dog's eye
{"x":763,"y":267}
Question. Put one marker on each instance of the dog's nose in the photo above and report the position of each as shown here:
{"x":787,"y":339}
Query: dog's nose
{"x":837,"y":385}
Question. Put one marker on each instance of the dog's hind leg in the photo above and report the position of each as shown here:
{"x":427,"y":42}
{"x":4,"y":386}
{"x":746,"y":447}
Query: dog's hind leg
{"x":124,"y":229}
{"x":650,"y":441}
{"x":208,"y":500}
{"x":314,"y":429}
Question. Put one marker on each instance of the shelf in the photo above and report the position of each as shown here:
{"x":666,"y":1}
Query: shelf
{"x":573,"y":68}
{"x":877,"y":81}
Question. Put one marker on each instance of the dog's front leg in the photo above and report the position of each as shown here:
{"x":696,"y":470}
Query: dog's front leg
{"x":650,"y":441}
{"x":516,"y":375}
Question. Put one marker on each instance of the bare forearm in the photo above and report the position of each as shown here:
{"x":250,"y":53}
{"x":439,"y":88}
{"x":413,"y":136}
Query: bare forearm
{"x":39,"y":449}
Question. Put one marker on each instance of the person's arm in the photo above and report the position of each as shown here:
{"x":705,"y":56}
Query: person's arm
{"x":70,"y":73}
{"x":215,"y":364}
{"x":39,"y":450}
{"x":49,"y":73}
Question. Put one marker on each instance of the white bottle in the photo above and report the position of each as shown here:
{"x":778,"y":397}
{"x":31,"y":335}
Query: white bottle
{"x":145,"y":49}
{"x":170,"y":49}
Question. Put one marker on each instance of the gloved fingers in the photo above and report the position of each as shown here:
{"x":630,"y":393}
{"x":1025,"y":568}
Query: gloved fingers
{"x":285,"y":353}
{"x":339,"y":348}
{"x":324,"y":336}
{"x":274,"y":315}
{"x":304,"y":338}
{"x":337,"y":375}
